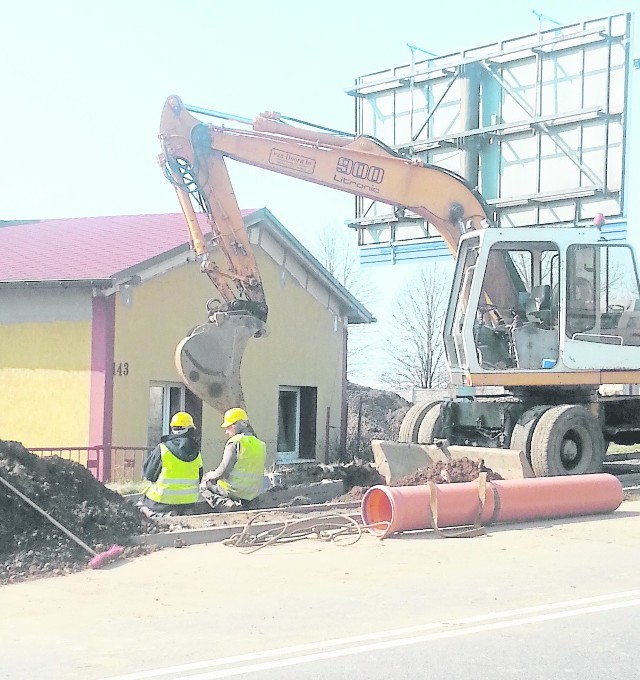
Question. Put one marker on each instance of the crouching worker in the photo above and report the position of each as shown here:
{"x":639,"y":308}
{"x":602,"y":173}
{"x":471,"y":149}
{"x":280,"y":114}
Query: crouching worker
{"x":174,"y":469}
{"x":239,"y":477}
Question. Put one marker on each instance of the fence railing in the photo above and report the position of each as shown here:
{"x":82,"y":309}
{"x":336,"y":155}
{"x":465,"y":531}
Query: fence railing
{"x":106,"y":463}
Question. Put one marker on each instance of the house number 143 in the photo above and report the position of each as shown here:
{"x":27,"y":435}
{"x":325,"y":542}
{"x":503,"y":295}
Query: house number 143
{"x":121,"y":368}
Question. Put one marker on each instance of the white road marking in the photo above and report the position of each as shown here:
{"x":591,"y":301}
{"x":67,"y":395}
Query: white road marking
{"x":454,"y":628}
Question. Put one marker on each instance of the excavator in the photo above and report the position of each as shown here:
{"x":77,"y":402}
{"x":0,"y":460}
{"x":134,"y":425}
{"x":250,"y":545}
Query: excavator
{"x":547,"y":316}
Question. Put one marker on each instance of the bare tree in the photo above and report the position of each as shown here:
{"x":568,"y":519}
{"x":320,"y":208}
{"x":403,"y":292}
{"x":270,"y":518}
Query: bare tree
{"x":339,"y":255}
{"x":415,"y":350}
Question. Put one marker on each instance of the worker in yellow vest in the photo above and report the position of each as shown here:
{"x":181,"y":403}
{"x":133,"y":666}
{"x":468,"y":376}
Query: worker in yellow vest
{"x":239,"y":477}
{"x":174,"y":469}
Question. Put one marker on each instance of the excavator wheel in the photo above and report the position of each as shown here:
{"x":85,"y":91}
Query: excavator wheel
{"x":431,"y":425}
{"x":523,"y":430}
{"x":567,"y":441}
{"x":411,"y":422}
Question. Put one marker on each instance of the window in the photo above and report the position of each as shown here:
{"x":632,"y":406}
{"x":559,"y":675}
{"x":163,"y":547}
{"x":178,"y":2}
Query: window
{"x":581,"y":287}
{"x":297,"y":414}
{"x":603,"y":295}
{"x":166,"y":399}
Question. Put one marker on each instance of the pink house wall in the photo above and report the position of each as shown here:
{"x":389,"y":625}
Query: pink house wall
{"x":101,"y":390}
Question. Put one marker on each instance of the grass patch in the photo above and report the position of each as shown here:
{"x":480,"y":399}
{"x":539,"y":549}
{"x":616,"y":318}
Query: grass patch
{"x":125,"y":488}
{"x":622,"y":448}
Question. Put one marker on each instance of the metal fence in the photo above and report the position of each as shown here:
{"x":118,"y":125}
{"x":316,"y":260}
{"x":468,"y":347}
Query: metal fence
{"x":106,"y":463}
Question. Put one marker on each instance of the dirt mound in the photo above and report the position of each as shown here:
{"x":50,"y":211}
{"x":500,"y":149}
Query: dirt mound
{"x":463,"y":470}
{"x":30,"y":546}
{"x":354,"y":494}
{"x":372,"y":414}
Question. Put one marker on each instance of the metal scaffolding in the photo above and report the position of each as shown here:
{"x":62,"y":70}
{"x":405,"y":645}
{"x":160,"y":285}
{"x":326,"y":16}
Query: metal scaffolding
{"x":538,"y":123}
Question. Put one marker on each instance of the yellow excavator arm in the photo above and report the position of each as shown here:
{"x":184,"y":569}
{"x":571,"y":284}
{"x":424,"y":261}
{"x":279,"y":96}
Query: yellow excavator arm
{"x":361,"y":166}
{"x":193,"y":158}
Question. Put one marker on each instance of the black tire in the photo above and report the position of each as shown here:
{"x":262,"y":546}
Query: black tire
{"x":431,"y":425}
{"x":411,"y":422}
{"x":523,"y":430}
{"x":567,"y":441}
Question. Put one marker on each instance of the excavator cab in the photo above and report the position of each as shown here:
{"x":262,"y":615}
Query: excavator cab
{"x":561,"y":292}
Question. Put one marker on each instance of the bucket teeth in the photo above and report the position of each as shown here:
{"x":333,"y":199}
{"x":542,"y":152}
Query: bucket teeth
{"x":208,"y":360}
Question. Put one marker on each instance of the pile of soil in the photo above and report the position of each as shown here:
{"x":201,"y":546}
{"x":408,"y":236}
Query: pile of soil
{"x":463,"y":470}
{"x":30,"y":546}
{"x":371,"y":414}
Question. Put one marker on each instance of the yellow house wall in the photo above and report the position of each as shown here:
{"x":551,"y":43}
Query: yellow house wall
{"x":147,"y":331}
{"x":302,"y":349}
{"x":45,"y":341}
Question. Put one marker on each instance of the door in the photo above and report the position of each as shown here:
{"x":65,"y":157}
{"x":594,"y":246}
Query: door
{"x":166,"y":399}
{"x":288,"y":424}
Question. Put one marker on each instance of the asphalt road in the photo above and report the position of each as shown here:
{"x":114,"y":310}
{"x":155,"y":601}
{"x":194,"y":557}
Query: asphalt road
{"x":584,"y":639}
{"x":554,"y":599}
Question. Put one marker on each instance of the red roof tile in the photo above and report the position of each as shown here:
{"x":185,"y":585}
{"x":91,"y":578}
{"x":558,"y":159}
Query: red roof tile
{"x":87,"y":247}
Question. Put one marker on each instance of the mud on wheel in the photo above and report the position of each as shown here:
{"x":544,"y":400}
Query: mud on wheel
{"x":431,"y":425}
{"x":411,"y":422}
{"x":524,"y":428}
{"x":567,"y":440}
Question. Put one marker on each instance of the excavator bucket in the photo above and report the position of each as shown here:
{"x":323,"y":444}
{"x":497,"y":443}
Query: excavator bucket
{"x":208,"y":359}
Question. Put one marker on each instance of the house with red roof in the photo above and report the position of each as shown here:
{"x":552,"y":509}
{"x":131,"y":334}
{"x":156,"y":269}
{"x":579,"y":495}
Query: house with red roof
{"x":91,"y":310}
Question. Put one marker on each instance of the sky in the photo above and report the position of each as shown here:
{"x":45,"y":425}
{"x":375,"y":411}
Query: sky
{"x":85,"y":82}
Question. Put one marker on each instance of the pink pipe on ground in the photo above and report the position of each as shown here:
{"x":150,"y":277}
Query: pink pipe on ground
{"x":387,"y":510}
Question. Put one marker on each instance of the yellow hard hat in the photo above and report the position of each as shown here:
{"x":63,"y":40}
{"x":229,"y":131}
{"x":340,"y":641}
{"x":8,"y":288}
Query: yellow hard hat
{"x":233,"y":415}
{"x":181,"y":419}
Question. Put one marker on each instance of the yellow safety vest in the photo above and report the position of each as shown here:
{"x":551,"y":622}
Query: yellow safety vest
{"x":245,"y":480}
{"x":178,"y":481}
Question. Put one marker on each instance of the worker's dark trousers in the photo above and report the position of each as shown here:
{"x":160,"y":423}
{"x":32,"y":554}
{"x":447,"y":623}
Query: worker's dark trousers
{"x":219,"y":501}
{"x":164,"y":508}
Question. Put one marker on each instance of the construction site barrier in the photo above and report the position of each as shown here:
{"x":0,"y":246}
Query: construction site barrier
{"x":387,"y":510}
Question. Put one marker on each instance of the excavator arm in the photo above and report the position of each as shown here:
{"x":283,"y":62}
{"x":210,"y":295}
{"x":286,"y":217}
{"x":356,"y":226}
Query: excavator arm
{"x":361,"y":166}
{"x":193,"y":158}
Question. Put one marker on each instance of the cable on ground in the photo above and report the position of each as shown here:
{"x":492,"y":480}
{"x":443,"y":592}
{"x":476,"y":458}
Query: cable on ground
{"x":340,"y":529}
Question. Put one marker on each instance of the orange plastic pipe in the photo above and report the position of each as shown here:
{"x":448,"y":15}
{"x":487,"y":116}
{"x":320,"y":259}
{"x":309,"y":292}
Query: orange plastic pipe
{"x":387,"y":510}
